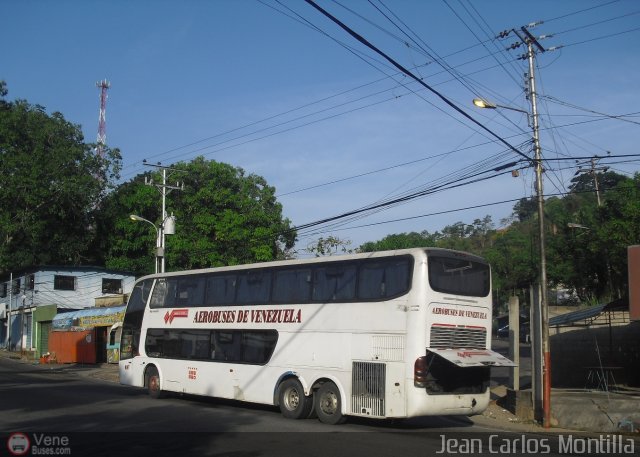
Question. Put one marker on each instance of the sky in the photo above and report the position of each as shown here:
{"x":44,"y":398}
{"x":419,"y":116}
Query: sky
{"x":276,"y":88}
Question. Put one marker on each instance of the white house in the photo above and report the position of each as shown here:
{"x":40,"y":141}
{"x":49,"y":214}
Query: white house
{"x":30,"y":298}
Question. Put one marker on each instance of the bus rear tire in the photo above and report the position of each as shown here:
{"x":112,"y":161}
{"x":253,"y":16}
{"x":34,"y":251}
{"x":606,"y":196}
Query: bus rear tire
{"x":292,"y":400}
{"x":328,"y":404}
{"x":152,"y":381}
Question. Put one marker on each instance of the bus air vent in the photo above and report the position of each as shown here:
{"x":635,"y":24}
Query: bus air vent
{"x":368,"y":389}
{"x":460,"y":336}
{"x":389,"y":348}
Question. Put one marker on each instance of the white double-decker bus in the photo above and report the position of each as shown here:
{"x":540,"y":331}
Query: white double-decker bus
{"x":391,"y":334}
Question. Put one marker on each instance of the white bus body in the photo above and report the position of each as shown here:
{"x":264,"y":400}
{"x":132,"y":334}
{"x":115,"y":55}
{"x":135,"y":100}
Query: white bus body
{"x":385,"y":335}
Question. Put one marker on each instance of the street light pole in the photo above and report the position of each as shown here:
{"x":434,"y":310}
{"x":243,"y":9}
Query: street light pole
{"x":159,"y":243}
{"x":168,"y":222}
{"x":541,"y":305}
{"x":544,"y":307}
{"x":168,"y":227}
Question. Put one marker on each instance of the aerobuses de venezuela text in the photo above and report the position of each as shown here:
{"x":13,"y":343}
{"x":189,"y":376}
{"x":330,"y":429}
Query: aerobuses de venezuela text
{"x":459,"y":312}
{"x":258,"y":316}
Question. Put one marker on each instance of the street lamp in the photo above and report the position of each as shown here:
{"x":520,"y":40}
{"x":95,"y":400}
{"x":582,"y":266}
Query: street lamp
{"x":168,"y":227}
{"x":482,"y":103}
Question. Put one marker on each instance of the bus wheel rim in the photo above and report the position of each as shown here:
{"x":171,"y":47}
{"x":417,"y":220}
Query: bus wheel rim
{"x":329,"y":403}
{"x":154,"y":383}
{"x":291,"y":399}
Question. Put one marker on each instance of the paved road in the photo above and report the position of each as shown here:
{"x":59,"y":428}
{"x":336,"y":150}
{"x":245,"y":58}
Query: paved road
{"x":102,"y":418}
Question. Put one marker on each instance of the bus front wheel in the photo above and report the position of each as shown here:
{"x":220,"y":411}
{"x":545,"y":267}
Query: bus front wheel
{"x":328,"y":404}
{"x":292,"y":401}
{"x":153,"y":382}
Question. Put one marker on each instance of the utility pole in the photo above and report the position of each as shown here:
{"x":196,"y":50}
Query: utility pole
{"x":592,"y":170}
{"x":593,"y":162}
{"x":10,"y":306}
{"x":543,"y":309}
{"x":168,"y":224}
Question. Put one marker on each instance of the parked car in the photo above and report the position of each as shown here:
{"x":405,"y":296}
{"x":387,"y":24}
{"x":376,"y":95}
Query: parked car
{"x":525,"y":334}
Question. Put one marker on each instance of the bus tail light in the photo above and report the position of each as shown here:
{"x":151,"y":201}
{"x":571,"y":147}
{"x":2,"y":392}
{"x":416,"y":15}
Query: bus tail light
{"x":420,"y":369}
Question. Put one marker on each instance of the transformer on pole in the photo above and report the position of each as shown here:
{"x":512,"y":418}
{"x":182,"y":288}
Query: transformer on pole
{"x":102,"y":120}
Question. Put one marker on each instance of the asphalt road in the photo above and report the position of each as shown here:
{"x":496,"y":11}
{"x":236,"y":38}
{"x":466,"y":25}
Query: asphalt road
{"x":102,"y":418}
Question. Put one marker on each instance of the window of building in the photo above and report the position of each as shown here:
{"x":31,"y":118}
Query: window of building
{"x":31,"y":282}
{"x":4,"y":290}
{"x":16,"y":286}
{"x":64,"y":282}
{"x":111,"y":286}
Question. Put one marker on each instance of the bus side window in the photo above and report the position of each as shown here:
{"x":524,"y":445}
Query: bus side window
{"x":228,"y":346}
{"x":220,"y":290}
{"x":190,"y":291}
{"x":254,"y":286}
{"x":292,"y":286}
{"x":383,"y":279}
{"x":164,"y":293}
{"x":334,"y":283}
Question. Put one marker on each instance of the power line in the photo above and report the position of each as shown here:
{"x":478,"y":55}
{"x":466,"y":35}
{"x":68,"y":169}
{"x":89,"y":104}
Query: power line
{"x":411,"y":75}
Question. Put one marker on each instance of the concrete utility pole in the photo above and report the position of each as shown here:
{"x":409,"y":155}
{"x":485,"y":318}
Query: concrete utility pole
{"x":544,"y":306}
{"x":592,"y":170}
{"x":514,"y":342}
{"x":10,"y":309}
{"x":593,"y":162}
{"x":168,"y":225}
{"x":540,"y":310}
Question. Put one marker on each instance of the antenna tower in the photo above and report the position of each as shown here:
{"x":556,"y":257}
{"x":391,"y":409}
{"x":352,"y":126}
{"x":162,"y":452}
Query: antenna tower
{"x":102,"y":120}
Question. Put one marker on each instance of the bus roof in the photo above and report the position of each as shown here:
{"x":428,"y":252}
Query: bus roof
{"x":429,"y":251}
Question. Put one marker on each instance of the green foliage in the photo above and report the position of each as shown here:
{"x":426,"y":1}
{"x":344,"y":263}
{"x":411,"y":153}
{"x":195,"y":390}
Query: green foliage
{"x":51,"y":184}
{"x":399,"y":241}
{"x":329,"y":246}
{"x":590,"y":259}
{"x":224,"y":217}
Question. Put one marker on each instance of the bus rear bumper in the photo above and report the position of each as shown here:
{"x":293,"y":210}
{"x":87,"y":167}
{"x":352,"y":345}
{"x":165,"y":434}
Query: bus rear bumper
{"x":424,"y":404}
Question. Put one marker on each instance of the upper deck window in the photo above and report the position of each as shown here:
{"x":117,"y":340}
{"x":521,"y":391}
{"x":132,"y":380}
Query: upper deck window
{"x":459,"y":276}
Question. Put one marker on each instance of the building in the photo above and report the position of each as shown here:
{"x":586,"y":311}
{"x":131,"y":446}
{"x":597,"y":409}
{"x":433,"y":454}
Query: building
{"x":30,"y":299}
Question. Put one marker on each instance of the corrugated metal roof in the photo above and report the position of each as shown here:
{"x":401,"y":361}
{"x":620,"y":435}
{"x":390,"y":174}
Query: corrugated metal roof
{"x":575,"y":316}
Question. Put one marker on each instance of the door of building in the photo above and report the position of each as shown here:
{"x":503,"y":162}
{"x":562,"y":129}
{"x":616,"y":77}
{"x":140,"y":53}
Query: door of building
{"x":101,"y":344}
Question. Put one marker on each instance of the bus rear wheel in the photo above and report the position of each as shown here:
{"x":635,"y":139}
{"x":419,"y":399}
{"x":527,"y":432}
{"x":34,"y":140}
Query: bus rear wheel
{"x":292,"y":400}
{"x":153,"y":382}
{"x":328,"y":404}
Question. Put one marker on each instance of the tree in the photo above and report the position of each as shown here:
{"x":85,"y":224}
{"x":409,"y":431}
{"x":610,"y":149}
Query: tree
{"x":400,"y":241}
{"x":329,"y":246}
{"x":525,"y":209}
{"x":224,"y":217}
{"x":51,"y":184}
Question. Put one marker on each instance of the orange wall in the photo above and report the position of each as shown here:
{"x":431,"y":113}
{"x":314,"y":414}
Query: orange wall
{"x":73,"y":347}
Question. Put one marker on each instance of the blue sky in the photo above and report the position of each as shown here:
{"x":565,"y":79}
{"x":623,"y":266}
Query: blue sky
{"x":275,"y":88}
